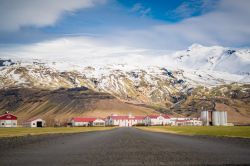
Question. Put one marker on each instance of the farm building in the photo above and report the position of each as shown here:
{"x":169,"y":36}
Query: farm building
{"x":87,"y":121}
{"x":124,"y":121}
{"x":8,"y":120}
{"x":98,"y":122}
{"x":156,"y":120}
{"x":35,"y":122}
{"x":190,"y":122}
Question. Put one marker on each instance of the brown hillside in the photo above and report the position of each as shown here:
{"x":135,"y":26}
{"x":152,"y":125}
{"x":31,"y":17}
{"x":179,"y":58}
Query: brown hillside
{"x":63,"y":104}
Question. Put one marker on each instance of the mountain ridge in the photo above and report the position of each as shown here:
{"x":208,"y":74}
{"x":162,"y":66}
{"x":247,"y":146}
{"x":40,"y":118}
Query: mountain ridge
{"x":159,"y":87}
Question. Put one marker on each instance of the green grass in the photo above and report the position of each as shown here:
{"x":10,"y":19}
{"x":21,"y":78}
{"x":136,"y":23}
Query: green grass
{"x":229,"y":131}
{"x":12,"y":132}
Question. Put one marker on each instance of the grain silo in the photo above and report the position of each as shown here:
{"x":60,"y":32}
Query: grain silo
{"x":205,"y":118}
{"x":216,"y":118}
{"x":223,"y":118}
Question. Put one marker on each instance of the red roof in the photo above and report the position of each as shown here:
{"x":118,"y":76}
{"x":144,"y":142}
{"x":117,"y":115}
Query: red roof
{"x":139,"y":117}
{"x":166,"y":116}
{"x":88,"y":119}
{"x":8,"y":116}
{"x":153,"y":116}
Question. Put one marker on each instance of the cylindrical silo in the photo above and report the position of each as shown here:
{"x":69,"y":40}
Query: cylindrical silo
{"x":216,"y":118}
{"x":205,"y":118}
{"x":223,"y":118}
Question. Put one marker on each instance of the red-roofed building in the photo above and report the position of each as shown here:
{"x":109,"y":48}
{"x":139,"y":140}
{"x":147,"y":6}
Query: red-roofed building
{"x":87,"y":121}
{"x":156,"y":120}
{"x":123,"y":121}
{"x":8,"y":120}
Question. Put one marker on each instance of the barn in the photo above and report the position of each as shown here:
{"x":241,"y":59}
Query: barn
{"x":34,"y":122}
{"x":8,"y":120}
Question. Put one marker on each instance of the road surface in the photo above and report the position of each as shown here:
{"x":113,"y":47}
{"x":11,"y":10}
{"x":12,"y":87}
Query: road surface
{"x":125,"y":146}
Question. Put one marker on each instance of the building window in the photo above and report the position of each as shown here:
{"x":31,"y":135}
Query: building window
{"x":3,"y":124}
{"x":34,"y":124}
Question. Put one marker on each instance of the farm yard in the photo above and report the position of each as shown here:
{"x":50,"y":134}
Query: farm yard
{"x":13,"y":132}
{"x":225,"y":131}
{"x":228,"y":131}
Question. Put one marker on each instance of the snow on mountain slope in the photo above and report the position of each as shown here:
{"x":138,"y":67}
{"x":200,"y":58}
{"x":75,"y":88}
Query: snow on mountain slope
{"x":217,"y":64}
{"x":144,"y":76}
{"x":214,"y":58}
{"x":75,"y":53}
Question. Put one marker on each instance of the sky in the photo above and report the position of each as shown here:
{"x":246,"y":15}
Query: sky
{"x":32,"y":26}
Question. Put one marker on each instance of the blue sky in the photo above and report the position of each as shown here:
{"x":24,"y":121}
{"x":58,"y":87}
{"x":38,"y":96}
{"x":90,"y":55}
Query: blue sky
{"x":170,"y":24}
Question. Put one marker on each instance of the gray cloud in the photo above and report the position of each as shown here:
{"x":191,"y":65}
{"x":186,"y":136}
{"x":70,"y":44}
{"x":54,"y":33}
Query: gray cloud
{"x":15,"y":14}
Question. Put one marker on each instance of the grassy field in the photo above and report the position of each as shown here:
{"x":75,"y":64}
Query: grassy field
{"x":232,"y":131}
{"x":12,"y":132}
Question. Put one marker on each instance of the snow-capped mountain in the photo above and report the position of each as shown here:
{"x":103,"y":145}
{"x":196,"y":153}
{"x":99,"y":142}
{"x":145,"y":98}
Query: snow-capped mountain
{"x":214,"y":58}
{"x":137,"y":81}
{"x":163,"y":80}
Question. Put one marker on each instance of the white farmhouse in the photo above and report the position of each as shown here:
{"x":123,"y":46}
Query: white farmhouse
{"x":34,"y":122}
{"x":157,"y":120}
{"x":98,"y":122}
{"x":125,"y":121}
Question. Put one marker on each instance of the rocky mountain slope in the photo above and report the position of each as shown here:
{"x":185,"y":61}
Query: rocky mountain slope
{"x":59,"y":106}
{"x":191,"y":80}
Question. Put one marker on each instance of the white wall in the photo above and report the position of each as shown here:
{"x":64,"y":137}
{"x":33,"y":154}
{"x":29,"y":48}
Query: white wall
{"x":8,"y":123}
{"x":76,"y":124}
{"x":160,"y":120}
{"x":98,"y":122}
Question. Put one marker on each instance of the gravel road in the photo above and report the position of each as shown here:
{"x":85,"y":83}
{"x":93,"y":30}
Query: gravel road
{"x":123,"y":146}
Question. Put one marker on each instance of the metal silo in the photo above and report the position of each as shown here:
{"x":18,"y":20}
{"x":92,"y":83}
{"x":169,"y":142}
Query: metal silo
{"x":223,"y":118}
{"x":216,"y":118}
{"x":205,"y":118}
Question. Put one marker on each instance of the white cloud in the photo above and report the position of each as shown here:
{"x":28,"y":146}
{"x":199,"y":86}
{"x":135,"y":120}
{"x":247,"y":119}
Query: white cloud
{"x":188,"y":8}
{"x":84,"y":51}
{"x":142,"y":10}
{"x":228,"y":24}
{"x":15,"y":14}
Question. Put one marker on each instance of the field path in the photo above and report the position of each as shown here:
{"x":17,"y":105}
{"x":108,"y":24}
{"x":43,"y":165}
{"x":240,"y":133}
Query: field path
{"x":127,"y":146}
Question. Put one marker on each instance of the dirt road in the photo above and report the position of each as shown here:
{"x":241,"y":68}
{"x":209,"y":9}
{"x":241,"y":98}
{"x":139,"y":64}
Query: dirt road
{"x":124,"y":146}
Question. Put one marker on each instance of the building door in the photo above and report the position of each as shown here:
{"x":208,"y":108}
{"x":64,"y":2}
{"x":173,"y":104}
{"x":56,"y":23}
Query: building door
{"x":39,"y":124}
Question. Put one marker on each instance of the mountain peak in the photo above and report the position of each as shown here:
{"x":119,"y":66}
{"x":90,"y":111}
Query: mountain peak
{"x":195,"y":46}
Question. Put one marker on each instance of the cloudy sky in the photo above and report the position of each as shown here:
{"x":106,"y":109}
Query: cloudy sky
{"x":47,"y":25}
